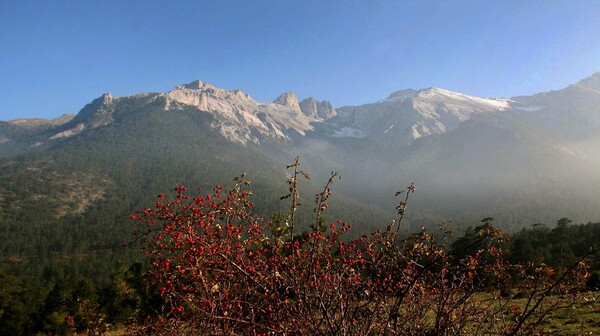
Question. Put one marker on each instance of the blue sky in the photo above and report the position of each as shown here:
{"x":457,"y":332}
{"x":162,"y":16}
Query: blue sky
{"x":56,"y":56}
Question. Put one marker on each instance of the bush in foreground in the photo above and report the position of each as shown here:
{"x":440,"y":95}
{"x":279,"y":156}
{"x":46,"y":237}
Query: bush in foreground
{"x":220,"y":269}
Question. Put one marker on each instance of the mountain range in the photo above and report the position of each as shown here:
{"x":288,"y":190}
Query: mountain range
{"x":521,"y":160}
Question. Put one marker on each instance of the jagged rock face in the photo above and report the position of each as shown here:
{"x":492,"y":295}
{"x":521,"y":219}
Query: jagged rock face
{"x":317,"y":110}
{"x":97,"y":113}
{"x":399,"y":119}
{"x":239,"y":117}
{"x":309,"y":107}
{"x":290,"y":100}
{"x":198,"y":85}
{"x":201,"y":95}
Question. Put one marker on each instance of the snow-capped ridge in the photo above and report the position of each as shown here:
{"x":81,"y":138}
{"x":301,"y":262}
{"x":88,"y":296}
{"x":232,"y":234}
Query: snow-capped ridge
{"x":443,"y":94}
{"x":410,"y":114}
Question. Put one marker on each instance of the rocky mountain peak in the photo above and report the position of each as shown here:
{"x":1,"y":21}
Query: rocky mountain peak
{"x":288,"y":99}
{"x":315,"y":109}
{"x":237,"y":116}
{"x":198,"y":85}
{"x":97,"y":113}
{"x":106,"y":98}
{"x":204,"y":96}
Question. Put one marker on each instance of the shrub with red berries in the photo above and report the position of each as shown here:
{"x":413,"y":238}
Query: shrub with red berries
{"x":220,"y":269}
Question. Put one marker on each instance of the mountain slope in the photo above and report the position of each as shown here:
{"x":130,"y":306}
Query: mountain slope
{"x":74,"y":196}
{"x":69,"y":184}
{"x":521,"y":160}
{"x":408,"y":115}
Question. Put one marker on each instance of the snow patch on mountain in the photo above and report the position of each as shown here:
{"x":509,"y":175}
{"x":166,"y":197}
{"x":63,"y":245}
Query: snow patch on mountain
{"x":487,"y":103}
{"x":348,"y":132}
{"x":528,"y":108}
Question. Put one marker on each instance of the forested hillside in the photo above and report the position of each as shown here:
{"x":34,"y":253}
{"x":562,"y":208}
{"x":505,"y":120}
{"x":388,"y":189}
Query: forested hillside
{"x":68,"y":186}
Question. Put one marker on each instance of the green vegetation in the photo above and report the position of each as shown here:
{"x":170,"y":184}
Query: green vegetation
{"x":78,"y":286}
{"x":68,"y":260}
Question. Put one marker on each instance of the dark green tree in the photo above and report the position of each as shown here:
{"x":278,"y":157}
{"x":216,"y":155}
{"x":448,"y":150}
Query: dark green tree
{"x":13,"y":313}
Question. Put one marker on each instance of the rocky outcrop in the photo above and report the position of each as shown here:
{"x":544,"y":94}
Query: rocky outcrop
{"x":198,"y":85}
{"x":315,"y":109}
{"x":97,"y":113}
{"x":202,"y":96}
{"x":70,"y":132}
{"x":290,"y":100}
{"x":237,"y":116}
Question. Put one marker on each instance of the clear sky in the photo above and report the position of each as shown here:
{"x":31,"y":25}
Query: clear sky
{"x":56,"y":56}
